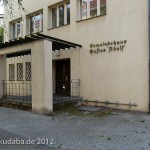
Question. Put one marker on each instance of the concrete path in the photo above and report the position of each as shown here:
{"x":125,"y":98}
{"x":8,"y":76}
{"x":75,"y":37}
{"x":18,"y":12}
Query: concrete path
{"x":121,"y":131}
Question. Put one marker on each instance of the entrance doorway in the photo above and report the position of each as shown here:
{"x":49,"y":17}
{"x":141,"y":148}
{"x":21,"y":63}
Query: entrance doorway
{"x":62,"y":77}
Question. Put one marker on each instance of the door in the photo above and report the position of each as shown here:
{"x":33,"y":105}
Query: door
{"x":63,"y":77}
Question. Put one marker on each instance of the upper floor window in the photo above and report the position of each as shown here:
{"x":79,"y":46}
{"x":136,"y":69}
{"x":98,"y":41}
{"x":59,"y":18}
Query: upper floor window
{"x":15,"y":29}
{"x":92,"y":8}
{"x":102,"y":7}
{"x":36,"y":23}
{"x":68,"y":12}
{"x":54,"y":17}
{"x":60,"y":15}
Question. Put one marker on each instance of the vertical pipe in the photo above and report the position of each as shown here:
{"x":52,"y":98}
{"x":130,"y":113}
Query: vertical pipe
{"x":149,"y":47}
{"x":3,"y":87}
{"x":19,"y":91}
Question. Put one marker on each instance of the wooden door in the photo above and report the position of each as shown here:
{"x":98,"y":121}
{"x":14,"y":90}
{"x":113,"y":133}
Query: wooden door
{"x":63,"y":77}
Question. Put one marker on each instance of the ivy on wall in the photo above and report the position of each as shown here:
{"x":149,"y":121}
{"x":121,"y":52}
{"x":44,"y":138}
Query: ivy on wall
{"x":8,"y":4}
{"x":1,"y":35}
{"x":10,"y":11}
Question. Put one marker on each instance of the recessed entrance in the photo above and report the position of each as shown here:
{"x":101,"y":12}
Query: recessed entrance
{"x":62,"y":77}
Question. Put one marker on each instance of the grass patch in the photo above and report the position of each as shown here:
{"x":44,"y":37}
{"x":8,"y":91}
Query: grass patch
{"x":68,"y":108}
{"x":73,"y":110}
{"x":102,"y":113}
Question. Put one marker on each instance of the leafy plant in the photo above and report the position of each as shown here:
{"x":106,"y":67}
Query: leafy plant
{"x":10,"y":11}
{"x":1,"y":35}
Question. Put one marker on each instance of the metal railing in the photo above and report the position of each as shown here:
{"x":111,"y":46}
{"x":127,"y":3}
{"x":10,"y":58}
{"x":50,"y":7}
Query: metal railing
{"x":21,"y":91}
{"x":66,"y":91}
{"x":17,"y":91}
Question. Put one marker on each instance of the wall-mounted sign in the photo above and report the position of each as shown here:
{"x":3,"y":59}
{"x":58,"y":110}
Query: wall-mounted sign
{"x":108,"y":47}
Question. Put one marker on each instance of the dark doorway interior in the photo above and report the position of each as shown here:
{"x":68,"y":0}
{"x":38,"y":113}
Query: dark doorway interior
{"x":63,"y":77}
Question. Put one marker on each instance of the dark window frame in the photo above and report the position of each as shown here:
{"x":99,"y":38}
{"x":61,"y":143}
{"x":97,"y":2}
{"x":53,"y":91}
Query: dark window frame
{"x":27,"y":79}
{"x":10,"y":76}
{"x":65,"y":20}
{"x":19,"y":79}
{"x":32,"y":22}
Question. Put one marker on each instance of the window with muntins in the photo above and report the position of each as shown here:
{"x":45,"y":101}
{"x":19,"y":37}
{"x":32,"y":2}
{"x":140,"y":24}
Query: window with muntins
{"x":16,"y":27}
{"x":68,"y":12}
{"x":54,"y":17}
{"x":91,"y":8}
{"x":28,"y":71}
{"x":102,"y":7}
{"x":20,"y":71}
{"x":60,"y":15}
{"x":11,"y":72}
{"x":36,"y":23}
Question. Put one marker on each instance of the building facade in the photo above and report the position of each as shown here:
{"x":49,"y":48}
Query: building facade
{"x":1,"y":20}
{"x":102,"y":57}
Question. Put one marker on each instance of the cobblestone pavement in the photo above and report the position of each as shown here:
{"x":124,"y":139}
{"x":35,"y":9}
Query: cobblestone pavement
{"x":6,"y":136}
{"x":121,"y":131}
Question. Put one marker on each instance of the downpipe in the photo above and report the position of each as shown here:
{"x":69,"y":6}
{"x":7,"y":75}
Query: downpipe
{"x":149,"y":49}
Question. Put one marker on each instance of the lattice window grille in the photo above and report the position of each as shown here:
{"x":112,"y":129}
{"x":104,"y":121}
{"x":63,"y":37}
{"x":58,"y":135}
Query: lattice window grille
{"x":28,"y":71}
{"x":11,"y":72}
{"x":20,"y":71}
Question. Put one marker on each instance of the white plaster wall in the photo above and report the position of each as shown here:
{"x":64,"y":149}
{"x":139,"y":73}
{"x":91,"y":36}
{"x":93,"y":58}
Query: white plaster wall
{"x":2,"y":72}
{"x":42,"y":77}
{"x":115,"y":76}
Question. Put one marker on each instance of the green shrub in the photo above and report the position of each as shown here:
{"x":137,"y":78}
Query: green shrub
{"x":1,"y":35}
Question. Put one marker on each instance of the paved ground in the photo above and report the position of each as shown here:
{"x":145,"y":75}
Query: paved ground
{"x":121,"y":131}
{"x":6,"y":136}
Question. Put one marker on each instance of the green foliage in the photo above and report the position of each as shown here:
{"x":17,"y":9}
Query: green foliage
{"x":1,"y":35}
{"x":73,"y":110}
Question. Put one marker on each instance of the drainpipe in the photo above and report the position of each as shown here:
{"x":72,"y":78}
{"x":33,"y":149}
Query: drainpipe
{"x":149,"y":48}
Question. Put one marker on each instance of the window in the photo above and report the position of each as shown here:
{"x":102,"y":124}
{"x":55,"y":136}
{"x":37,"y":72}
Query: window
{"x":36,"y":23}
{"x":102,"y":7}
{"x":16,"y":29}
{"x":68,"y":12}
{"x":84,"y":9}
{"x":54,"y":17}
{"x":60,"y":15}
{"x":20,"y":71}
{"x":92,"y":8}
{"x":28,"y":71}
{"x":11,"y":72}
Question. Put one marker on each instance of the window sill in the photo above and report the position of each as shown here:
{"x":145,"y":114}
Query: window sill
{"x":15,"y":38}
{"x":36,"y":32}
{"x":58,"y":27}
{"x":91,"y":18}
